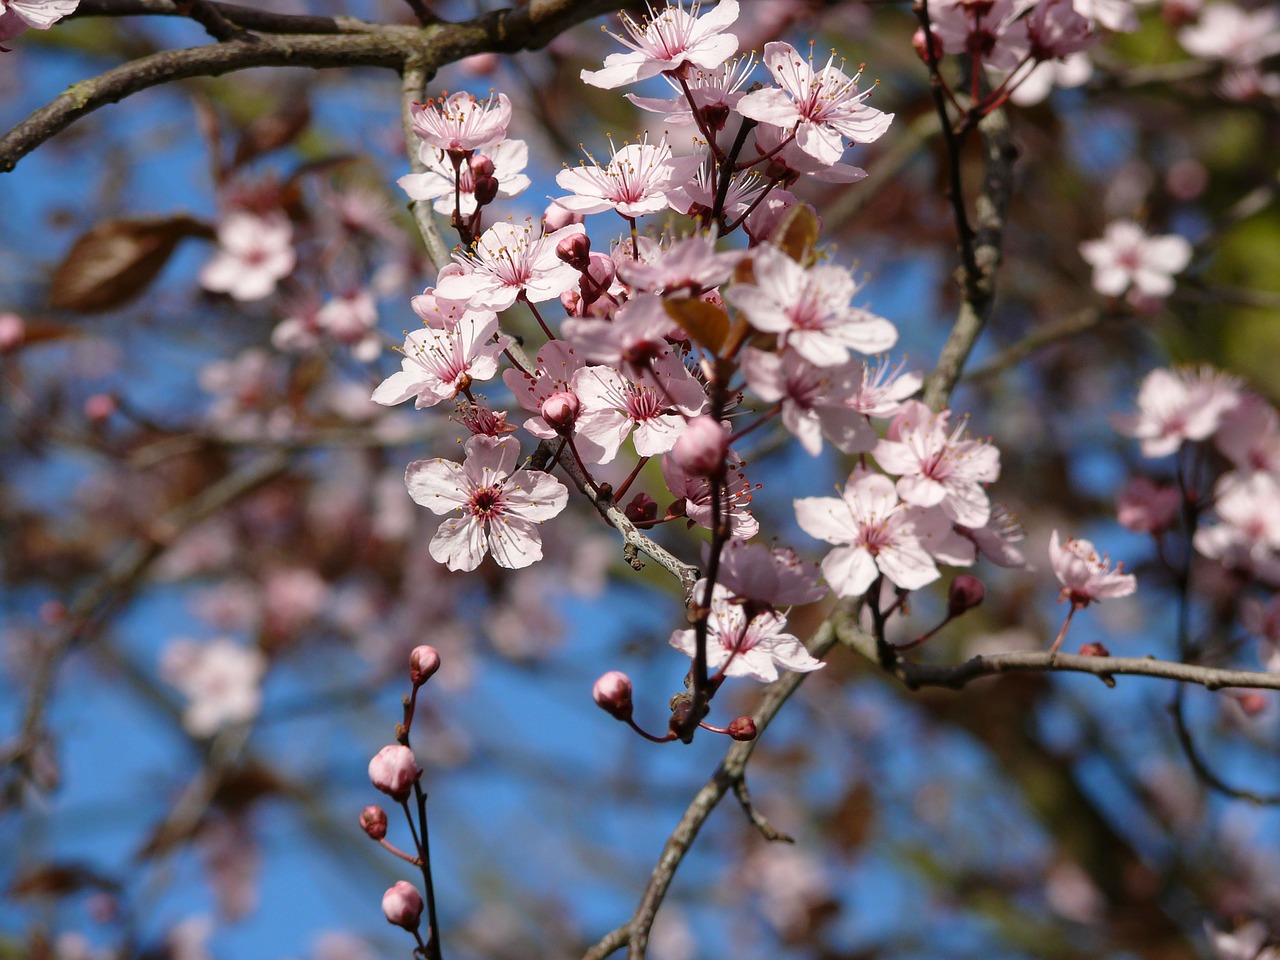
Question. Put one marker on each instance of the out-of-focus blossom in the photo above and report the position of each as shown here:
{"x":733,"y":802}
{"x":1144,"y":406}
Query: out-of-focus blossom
{"x":994,"y":34}
{"x":254,"y":254}
{"x":1144,"y":507}
{"x":1072,"y":71}
{"x":459,"y":124}
{"x":1229,"y":32}
{"x":1055,"y":29}
{"x":1085,"y":576}
{"x":747,"y":646}
{"x":1127,"y":257}
{"x":501,"y":509}
{"x":17,"y":16}
{"x":352,"y":319}
{"x":669,"y":39}
{"x":222,"y":680}
{"x":693,"y":496}
{"x":12,"y":331}
{"x":1244,"y":943}
{"x":1174,"y":406}
{"x":777,"y":577}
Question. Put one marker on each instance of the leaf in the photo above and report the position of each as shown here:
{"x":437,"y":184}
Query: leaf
{"x":705,"y":322}
{"x":58,"y":880}
{"x":117,"y":260}
{"x":797,"y":235}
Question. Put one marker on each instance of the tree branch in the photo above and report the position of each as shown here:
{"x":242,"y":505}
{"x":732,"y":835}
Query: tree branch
{"x":247,"y":17}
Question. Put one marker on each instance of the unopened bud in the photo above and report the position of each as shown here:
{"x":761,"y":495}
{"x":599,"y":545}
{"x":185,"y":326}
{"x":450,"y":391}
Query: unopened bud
{"x":575,"y":250}
{"x":966,"y":593}
{"x":485,"y":190}
{"x":557,"y":217}
{"x":701,"y":449}
{"x":612,"y":693}
{"x":373,"y":821}
{"x":99,"y":408}
{"x":394,"y":771}
{"x":715,"y":116}
{"x":602,"y":270}
{"x":1094,"y":649}
{"x":924,"y":52}
{"x":12,"y":331}
{"x":744,"y":728}
{"x":560,"y":410}
{"x":481,"y":166}
{"x":642,"y":510}
{"x":402,"y":905}
{"x":1252,"y":703}
{"x":571,"y":300}
{"x":424,"y":661}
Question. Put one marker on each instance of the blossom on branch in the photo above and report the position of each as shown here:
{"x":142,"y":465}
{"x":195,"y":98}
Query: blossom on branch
{"x":1085,"y":576}
{"x":501,"y":509}
{"x":669,"y":40}
{"x":222,"y":681}
{"x":509,"y":261}
{"x":509,"y":158}
{"x":460,"y":124}
{"x":440,"y":364}
{"x":636,"y":181}
{"x":1127,"y":257}
{"x":744,"y":646}
{"x":254,"y":254}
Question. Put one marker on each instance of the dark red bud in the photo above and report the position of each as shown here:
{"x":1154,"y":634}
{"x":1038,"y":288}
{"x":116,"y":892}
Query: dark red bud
{"x":1094,"y":649}
{"x":575,"y":250}
{"x":612,"y":693}
{"x":424,"y":661}
{"x":373,"y":821}
{"x":744,"y":728}
{"x":642,"y":510}
{"x":966,"y":593}
{"x":481,"y":166}
{"x":485,"y":190}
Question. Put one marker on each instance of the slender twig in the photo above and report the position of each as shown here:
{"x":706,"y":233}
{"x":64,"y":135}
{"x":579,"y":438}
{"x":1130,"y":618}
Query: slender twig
{"x":1201,"y":767}
{"x":413,"y":85}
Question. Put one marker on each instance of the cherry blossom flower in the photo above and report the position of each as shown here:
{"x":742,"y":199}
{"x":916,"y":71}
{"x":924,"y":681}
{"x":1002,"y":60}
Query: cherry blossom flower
{"x":1178,"y":405}
{"x":1248,"y":534}
{"x":1248,"y":942}
{"x":876,"y":533}
{"x":440,"y":364}
{"x":809,"y":309}
{"x":352,"y":319}
{"x":1086,"y":577}
{"x":1073,"y":70}
{"x":17,"y":16}
{"x":1249,"y":435}
{"x":222,"y":680}
{"x":697,"y":194}
{"x":1127,"y":257}
{"x":1056,"y":29}
{"x":747,"y":646}
{"x":254,"y":254}
{"x":814,"y":399}
{"x":636,"y":336}
{"x":994,"y":34}
{"x":1144,"y":507}
{"x":690,"y":267}
{"x":1230,"y":32}
{"x":936,"y":466}
{"x":788,"y":162}
{"x":996,"y":540}
{"x":460,"y":123}
{"x":556,"y":364}
{"x":636,"y":181}
{"x":823,"y":106}
{"x":693,"y":497}
{"x":656,"y":407}
{"x":777,"y":577}
{"x":501,"y":510}
{"x":1118,"y":15}
{"x":507,"y":262}
{"x":715,"y":93}
{"x":883,"y":388}
{"x":667,"y":41}
{"x":509,"y":158}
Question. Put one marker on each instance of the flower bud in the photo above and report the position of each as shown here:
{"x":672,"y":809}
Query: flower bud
{"x":485,"y":190}
{"x":402,"y":905}
{"x":701,"y":449}
{"x":12,"y":331}
{"x":99,"y":408}
{"x":575,"y":250}
{"x":612,"y":693}
{"x":557,"y":217}
{"x":599,"y":274}
{"x":560,"y":410}
{"x":424,"y":661}
{"x":1094,"y":649}
{"x":481,"y":166}
{"x":1252,"y":703}
{"x":744,"y":728}
{"x":394,"y":771}
{"x":571,"y":300}
{"x":966,"y":593}
{"x":373,"y":821}
{"x":918,"y":43}
{"x":642,"y":510}
{"x":715,"y":115}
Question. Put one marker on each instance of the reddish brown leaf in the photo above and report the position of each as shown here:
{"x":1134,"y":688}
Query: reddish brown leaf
{"x":797,"y":235}
{"x":58,"y":880}
{"x":272,"y":131}
{"x":116,"y":261}
{"x":705,"y":322}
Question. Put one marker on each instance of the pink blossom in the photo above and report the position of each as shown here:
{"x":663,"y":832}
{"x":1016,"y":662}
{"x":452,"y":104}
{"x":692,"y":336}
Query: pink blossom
{"x":440,"y":364}
{"x":509,"y":158}
{"x":883,"y":388}
{"x":667,"y":41}
{"x":402,"y":905}
{"x":501,"y":510}
{"x":636,"y":181}
{"x":876,"y":533}
{"x":1248,"y":534}
{"x":747,"y":646}
{"x":693,"y":497}
{"x":1144,"y":507}
{"x":788,"y":162}
{"x":460,"y":123}
{"x":776,"y":578}
{"x":254,"y":254}
{"x":714,"y":92}
{"x":1229,"y":32}
{"x":507,"y":262}
{"x":823,"y":106}
{"x":815,"y":400}
{"x":1178,"y":405}
{"x":1118,"y":15}
{"x":996,"y":540}
{"x":697,"y":194}
{"x":1084,"y":575}
{"x":937,"y":466}
{"x":690,"y":267}
{"x":394,"y":771}
{"x":612,"y":693}
{"x":13,"y":330}
{"x":222,"y":680}
{"x":556,"y":364}
{"x":655,"y":406}
{"x":809,"y":309}
{"x":700,"y":450}
{"x":1249,"y":435}
{"x":1127,"y":256}
{"x":993,"y":33}
{"x":352,"y":319}
{"x":17,"y":16}
{"x":1055,"y":29}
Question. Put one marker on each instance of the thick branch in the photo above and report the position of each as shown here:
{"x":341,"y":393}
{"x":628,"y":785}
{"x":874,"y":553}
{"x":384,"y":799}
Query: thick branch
{"x":249,"y":18}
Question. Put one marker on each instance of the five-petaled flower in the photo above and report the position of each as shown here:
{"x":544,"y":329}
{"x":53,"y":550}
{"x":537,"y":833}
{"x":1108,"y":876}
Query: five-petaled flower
{"x":460,"y":124}
{"x":668,"y":41}
{"x":501,"y":509}
{"x":1084,"y":575}
{"x":635,"y":182}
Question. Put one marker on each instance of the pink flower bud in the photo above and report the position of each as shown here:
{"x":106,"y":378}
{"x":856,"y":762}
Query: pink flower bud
{"x":481,"y":166}
{"x":99,"y":408}
{"x":744,"y":728}
{"x":966,"y":593}
{"x":642,"y":510}
{"x":560,"y":410}
{"x":575,"y":250}
{"x":486,"y":189}
{"x":402,"y":905}
{"x":394,"y":771}
{"x":557,"y":217}
{"x":424,"y":661}
{"x":601,"y":270}
{"x":373,"y":821}
{"x":1252,"y":703}
{"x":701,"y":449}
{"x":571,"y":300}
{"x":612,"y":693}
{"x":12,"y":330}
{"x":923,"y":51}
{"x":1094,"y":649}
